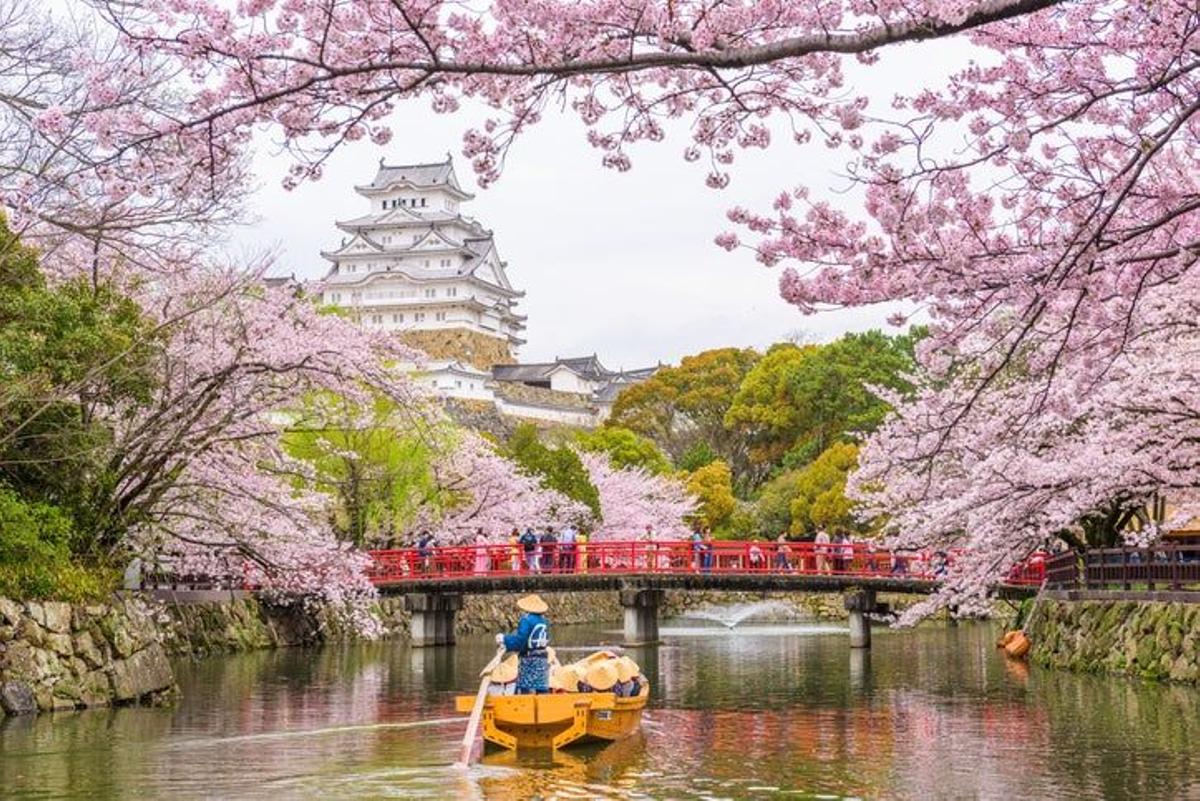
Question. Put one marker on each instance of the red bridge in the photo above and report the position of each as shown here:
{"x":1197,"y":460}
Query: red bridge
{"x":433,"y":580}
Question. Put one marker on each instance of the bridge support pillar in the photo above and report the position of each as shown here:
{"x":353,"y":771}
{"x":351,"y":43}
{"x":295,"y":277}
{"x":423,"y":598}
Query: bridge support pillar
{"x":641,"y":615}
{"x":858,"y":604}
{"x":432,"y":621}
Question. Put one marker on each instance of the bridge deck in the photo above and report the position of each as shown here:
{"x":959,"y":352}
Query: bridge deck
{"x":737,"y":566}
{"x":747,"y":582}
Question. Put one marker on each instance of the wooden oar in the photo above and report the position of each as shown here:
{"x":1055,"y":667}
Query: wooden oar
{"x":468,"y":743}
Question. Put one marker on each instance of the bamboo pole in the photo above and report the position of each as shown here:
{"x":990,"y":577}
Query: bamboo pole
{"x":468,"y":742}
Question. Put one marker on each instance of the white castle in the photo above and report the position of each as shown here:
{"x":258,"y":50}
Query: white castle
{"x":414,"y":264}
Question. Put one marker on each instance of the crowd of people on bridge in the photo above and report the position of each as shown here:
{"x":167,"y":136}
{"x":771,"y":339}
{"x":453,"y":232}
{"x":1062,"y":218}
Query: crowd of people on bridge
{"x":547,"y":550}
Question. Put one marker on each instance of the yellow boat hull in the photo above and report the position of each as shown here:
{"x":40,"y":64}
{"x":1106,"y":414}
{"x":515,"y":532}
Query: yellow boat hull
{"x":555,"y":720}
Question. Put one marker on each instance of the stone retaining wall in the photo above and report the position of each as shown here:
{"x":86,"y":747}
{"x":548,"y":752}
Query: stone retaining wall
{"x":57,"y":656}
{"x":242,"y":624}
{"x":1149,"y":639}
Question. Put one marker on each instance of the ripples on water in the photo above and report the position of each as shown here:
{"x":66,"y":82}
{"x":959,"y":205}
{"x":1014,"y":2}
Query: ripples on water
{"x":773,"y":711}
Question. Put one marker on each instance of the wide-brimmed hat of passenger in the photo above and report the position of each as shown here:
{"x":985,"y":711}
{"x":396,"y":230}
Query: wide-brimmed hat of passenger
{"x":533,"y":604}
{"x":627,"y":669}
{"x":506,"y":671}
{"x":564,"y":678}
{"x":601,"y":676}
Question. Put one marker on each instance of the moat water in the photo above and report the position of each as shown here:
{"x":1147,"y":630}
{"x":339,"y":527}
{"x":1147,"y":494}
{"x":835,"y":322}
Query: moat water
{"x":759,"y":711}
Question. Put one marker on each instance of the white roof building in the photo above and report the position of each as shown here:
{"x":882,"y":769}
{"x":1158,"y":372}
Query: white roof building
{"x":414,"y":262}
{"x":415,"y":265}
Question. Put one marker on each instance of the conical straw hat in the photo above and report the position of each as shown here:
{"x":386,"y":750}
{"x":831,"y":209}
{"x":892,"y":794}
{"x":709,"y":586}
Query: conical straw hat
{"x":627,"y":669}
{"x":506,"y":671}
{"x":565,"y":679}
{"x":601,"y":676}
{"x":532,"y":603}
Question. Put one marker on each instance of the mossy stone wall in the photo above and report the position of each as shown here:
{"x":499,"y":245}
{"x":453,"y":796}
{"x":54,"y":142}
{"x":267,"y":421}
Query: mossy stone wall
{"x":1148,"y":639}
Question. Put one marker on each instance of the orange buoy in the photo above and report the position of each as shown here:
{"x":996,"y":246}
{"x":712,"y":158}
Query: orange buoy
{"x":1018,"y":646}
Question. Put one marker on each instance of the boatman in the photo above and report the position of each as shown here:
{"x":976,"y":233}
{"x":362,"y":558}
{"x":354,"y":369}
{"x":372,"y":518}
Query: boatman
{"x":529,"y":642}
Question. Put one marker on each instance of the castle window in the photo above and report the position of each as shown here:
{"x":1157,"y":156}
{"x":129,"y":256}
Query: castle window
{"x":397,"y":318}
{"x":452,"y":292}
{"x":458,"y":384}
{"x":431,"y":293}
{"x":419,"y":317}
{"x":440,"y":316}
{"x":422,"y":202}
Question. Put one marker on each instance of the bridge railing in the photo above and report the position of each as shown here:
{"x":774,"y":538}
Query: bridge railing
{"x":656,"y":557}
{"x":1163,"y":566}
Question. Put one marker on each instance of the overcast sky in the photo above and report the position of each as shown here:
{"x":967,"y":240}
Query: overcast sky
{"x":620,"y":264}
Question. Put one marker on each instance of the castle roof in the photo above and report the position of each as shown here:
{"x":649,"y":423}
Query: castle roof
{"x":419,"y":176}
{"x":588,"y":367}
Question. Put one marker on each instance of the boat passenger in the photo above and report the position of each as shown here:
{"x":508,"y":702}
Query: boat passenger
{"x":504,"y":677}
{"x":529,"y":642}
{"x":627,"y":685}
{"x":601,"y":677}
{"x":564,"y":679}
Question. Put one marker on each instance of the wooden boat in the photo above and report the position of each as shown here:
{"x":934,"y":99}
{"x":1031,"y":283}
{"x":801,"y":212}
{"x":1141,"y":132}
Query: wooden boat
{"x":554,"y":720}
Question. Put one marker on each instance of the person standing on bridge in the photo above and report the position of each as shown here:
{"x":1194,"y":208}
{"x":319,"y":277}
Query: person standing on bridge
{"x":483,"y":560}
{"x":514,"y":550}
{"x":530,"y":642}
{"x":547,"y":550}
{"x":821,"y":549}
{"x":529,"y":542}
{"x":425,"y":550}
{"x":566,"y":549}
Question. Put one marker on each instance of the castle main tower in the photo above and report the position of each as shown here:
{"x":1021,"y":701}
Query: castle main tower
{"x":416,"y":265}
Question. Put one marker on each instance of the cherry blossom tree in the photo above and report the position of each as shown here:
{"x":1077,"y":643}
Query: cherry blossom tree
{"x":1039,"y":205}
{"x":484,"y":491}
{"x":198,"y":474}
{"x":632,"y":498}
{"x":64,"y":89}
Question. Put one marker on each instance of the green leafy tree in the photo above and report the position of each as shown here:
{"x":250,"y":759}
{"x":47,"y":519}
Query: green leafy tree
{"x":773,"y":506}
{"x":698,"y":455}
{"x":67,"y":350}
{"x":712,"y":485}
{"x":681,"y":406}
{"x":557,"y":468}
{"x":820,"y":501}
{"x":377,"y":466}
{"x":35,"y":553}
{"x":764,"y":410}
{"x":799,"y":400}
{"x":624,"y":448}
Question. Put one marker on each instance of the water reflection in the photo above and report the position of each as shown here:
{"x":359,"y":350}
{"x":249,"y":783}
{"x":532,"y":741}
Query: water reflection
{"x":934,"y":713}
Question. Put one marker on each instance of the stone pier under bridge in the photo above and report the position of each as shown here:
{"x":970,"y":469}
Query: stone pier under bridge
{"x":434,"y":601}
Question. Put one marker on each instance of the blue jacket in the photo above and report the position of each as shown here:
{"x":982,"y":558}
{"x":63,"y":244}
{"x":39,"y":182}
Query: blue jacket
{"x":533,"y":632}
